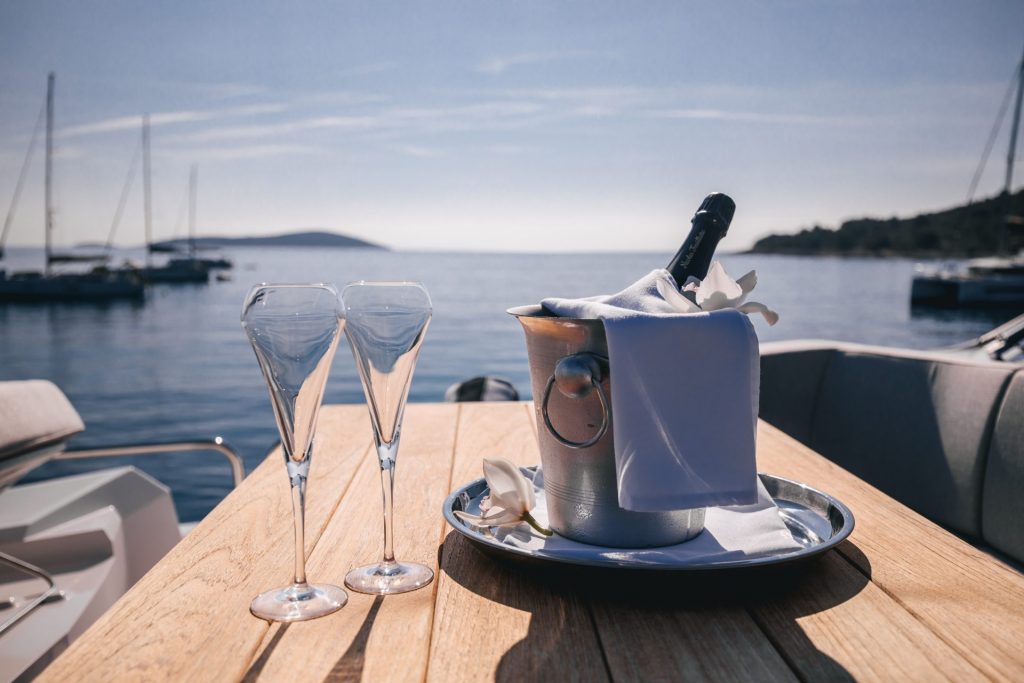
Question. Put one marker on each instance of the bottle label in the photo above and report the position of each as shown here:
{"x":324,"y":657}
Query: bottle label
{"x":685,"y":262}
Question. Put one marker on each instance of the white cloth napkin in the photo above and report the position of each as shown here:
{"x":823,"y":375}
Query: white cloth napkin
{"x":684,"y":397}
{"x":730,"y":533}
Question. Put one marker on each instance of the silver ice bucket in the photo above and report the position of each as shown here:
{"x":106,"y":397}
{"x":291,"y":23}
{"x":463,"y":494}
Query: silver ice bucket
{"x":571,"y":393}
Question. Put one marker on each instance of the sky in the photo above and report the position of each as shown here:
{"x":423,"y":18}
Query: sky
{"x":511,"y":126}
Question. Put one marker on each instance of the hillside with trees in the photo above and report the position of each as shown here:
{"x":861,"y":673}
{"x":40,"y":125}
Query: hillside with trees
{"x":964,"y":231}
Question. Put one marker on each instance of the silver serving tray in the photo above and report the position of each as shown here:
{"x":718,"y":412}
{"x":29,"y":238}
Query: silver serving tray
{"x":817,"y":521}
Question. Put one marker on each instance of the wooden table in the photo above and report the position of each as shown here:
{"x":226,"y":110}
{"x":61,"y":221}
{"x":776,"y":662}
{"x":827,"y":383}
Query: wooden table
{"x":901,"y":599}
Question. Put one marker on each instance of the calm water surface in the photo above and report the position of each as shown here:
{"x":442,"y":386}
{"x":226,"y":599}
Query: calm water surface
{"x":178,"y":365}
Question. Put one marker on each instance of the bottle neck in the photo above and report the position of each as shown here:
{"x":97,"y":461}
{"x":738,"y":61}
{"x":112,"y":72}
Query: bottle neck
{"x":694,"y":258}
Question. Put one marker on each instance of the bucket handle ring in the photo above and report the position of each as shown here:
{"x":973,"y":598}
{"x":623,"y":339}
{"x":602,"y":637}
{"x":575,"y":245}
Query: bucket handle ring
{"x":576,"y":376}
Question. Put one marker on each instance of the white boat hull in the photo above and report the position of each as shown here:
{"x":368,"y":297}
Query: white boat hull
{"x":97,"y":534}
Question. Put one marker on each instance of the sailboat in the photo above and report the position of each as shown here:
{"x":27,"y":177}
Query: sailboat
{"x":99,"y":284}
{"x":217,"y":262}
{"x":995,"y":281}
{"x":180,"y":269}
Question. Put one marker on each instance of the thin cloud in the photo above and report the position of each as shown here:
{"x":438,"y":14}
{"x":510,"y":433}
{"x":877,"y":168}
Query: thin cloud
{"x":131,"y":122}
{"x":340,"y":97}
{"x":588,"y":93}
{"x":499,"y":65}
{"x":506,"y":149}
{"x":242,"y":152}
{"x":594,"y":101}
{"x":121,"y":123}
{"x":222,"y":90}
{"x":227,"y":91}
{"x":594,"y":111}
{"x":493,"y":115}
{"x":477,"y":110}
{"x":281,"y":128}
{"x":369,"y":69}
{"x":751,"y":117}
{"x":419,"y":151}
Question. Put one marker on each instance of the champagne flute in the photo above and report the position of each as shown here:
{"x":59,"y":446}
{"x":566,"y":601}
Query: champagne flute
{"x":294,"y":330}
{"x":386,"y":322}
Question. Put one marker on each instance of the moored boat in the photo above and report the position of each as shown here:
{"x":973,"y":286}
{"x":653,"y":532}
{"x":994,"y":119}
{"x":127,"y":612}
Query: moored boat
{"x":176,"y":271}
{"x":98,"y":284}
{"x":217,"y":263}
{"x":183,"y":269}
{"x":984,"y":282}
{"x":981,"y":283}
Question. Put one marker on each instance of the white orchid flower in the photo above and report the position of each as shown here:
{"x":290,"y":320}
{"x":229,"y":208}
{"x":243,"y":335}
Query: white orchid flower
{"x":510,"y":501}
{"x":715,"y":292}
{"x":675,"y":298}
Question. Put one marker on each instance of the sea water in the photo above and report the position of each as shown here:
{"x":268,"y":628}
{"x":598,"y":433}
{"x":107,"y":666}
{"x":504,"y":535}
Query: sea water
{"x":178,"y":365}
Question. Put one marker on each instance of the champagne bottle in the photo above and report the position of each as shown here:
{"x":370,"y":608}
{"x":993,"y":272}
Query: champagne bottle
{"x":709,"y":226}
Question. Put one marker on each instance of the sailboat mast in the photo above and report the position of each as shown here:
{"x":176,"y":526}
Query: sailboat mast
{"x":192,"y":177}
{"x":147,"y":198}
{"x":1016,"y":126}
{"x":1010,"y":157}
{"x":22,"y":174}
{"x":1010,"y":154}
{"x":49,"y":169}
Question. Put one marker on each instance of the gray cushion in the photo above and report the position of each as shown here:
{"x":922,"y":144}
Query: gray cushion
{"x":917,"y":428}
{"x":1002,"y":516}
{"x":790,"y":378}
{"x":33,"y":414}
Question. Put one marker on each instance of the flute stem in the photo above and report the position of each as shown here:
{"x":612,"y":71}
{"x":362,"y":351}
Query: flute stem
{"x":387,"y":453}
{"x":297,"y":474}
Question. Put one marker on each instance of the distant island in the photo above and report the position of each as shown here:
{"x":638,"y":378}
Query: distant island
{"x":962,"y":232}
{"x":293,"y":239}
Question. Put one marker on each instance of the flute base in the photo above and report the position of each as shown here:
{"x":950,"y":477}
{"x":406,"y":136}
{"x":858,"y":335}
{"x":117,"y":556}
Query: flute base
{"x":299,"y":602}
{"x":388,"y":578}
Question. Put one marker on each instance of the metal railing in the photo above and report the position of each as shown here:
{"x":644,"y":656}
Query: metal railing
{"x":217,"y":444}
{"x":49,"y":595}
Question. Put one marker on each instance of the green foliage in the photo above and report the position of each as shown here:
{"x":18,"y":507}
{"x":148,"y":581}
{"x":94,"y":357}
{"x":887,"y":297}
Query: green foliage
{"x":964,"y":231}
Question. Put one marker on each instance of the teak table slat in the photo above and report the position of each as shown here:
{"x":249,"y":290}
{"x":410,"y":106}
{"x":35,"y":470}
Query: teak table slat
{"x":901,"y":599}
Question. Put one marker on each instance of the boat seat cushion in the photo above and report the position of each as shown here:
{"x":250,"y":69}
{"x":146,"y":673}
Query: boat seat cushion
{"x":917,"y":428}
{"x":790,"y":377}
{"x":1002,"y":514}
{"x":34,"y":414}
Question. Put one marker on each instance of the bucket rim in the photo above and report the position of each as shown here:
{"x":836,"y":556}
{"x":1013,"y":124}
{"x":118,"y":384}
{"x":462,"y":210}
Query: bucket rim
{"x":538,"y":311}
